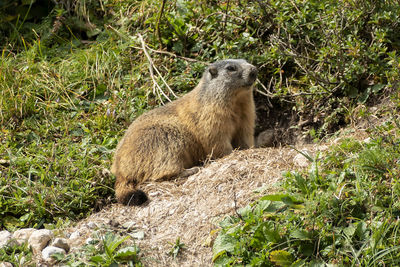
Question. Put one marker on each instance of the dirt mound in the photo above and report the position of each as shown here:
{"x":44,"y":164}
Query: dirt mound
{"x":191,"y":208}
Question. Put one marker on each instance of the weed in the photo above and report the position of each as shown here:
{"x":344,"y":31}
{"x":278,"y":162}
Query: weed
{"x":177,"y":248}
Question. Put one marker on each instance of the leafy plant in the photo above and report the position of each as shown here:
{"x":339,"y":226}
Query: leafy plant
{"x":105,"y":250}
{"x":343,"y":211}
{"x":177,"y":248}
{"x":18,"y":255}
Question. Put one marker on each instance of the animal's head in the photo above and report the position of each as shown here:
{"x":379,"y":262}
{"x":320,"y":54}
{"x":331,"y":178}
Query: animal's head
{"x":232,"y":74}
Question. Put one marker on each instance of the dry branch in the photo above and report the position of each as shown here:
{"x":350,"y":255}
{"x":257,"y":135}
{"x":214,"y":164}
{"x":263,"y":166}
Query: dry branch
{"x":152,"y":67}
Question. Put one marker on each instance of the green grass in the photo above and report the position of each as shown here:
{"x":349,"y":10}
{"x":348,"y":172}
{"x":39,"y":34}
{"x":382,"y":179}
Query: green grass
{"x":59,"y":129}
{"x":343,"y":211}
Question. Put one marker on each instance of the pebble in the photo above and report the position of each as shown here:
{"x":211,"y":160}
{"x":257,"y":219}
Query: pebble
{"x":39,"y":240}
{"x":75,"y":235}
{"x":22,"y":235}
{"x":5,"y":237}
{"x":61,"y":243}
{"x":265,"y":138}
{"x":50,"y":250}
{"x":91,"y":225}
{"x":137,"y":235}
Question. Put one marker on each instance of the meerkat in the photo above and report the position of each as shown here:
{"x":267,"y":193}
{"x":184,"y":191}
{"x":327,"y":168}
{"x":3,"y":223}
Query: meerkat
{"x":217,"y":116}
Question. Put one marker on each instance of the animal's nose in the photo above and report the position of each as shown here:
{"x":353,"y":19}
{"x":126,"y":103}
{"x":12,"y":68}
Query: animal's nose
{"x":253,"y":73}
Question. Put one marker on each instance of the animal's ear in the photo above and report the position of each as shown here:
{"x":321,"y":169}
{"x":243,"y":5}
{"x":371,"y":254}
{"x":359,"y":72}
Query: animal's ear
{"x":213,"y":71}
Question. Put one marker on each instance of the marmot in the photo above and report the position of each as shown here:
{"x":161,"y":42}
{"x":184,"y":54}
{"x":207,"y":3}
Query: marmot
{"x":217,"y":116}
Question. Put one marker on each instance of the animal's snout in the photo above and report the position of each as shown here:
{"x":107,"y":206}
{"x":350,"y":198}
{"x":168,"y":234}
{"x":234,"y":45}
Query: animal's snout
{"x":253,"y":73}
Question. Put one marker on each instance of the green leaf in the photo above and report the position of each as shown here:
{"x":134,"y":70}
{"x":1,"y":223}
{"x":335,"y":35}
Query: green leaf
{"x":223,"y":243}
{"x":364,"y":96}
{"x":246,"y":211}
{"x":300,"y":234}
{"x":262,"y":205}
{"x":127,"y":254}
{"x":377,"y":87}
{"x":350,"y":230}
{"x":265,"y":232}
{"x":277,"y":197}
{"x":286,"y":199}
{"x":97,"y":259}
{"x":281,"y":258}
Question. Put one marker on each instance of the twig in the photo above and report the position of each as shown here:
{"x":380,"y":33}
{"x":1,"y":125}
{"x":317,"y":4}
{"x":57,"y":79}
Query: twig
{"x":268,"y":93}
{"x":171,"y":54}
{"x":153,"y":67}
{"x":235,"y":203}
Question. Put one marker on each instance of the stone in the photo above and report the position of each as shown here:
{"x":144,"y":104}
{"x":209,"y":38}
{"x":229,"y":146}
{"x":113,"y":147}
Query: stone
{"x":6,"y":264}
{"x":5,"y":238}
{"x":129,"y":225}
{"x":91,"y":225}
{"x":265,"y":139}
{"x":60,"y":243}
{"x":22,"y":235}
{"x":75,"y":235}
{"x":138,"y":235}
{"x":367,"y":140}
{"x":39,"y":240}
{"x":49,"y":251}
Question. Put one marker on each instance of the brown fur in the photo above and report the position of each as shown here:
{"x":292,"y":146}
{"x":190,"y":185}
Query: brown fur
{"x":210,"y":121}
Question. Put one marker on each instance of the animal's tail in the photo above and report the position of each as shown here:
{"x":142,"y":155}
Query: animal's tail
{"x":127,"y":194}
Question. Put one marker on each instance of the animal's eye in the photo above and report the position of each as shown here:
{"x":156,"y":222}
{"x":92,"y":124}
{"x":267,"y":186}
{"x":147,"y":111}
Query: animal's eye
{"x":231,"y":68}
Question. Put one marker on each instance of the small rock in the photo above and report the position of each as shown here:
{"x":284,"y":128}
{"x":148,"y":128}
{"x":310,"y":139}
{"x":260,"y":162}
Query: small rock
{"x":4,"y":162}
{"x":114,"y":223}
{"x":137,"y":235}
{"x":265,"y":138}
{"x":367,"y":140}
{"x":5,"y":237}
{"x":61,"y":243}
{"x":6,"y":264}
{"x":75,"y":235}
{"x":106,"y":221}
{"x":22,"y":235}
{"x":301,"y":161}
{"x":49,"y":251}
{"x":39,"y":240}
{"x":91,"y":225}
{"x":129,"y":225}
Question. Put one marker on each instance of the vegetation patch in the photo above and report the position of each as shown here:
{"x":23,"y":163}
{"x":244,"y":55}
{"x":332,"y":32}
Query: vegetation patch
{"x":343,"y":211}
